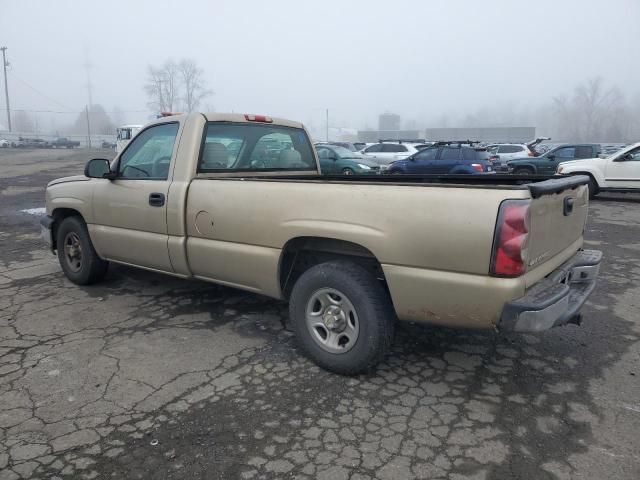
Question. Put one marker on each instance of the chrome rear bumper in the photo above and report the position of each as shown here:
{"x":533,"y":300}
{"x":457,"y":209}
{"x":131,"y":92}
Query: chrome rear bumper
{"x":557,"y":299}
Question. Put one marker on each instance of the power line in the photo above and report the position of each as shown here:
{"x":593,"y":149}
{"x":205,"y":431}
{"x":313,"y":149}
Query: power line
{"x":44,"y":95}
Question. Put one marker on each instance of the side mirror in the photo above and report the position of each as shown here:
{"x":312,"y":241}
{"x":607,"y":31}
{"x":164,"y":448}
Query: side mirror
{"x":622,"y":158}
{"x":97,"y":168}
{"x":551,"y":156}
{"x":333,"y":157}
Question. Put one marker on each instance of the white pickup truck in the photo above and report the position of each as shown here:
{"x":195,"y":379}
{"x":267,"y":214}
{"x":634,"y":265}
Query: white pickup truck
{"x":239,"y":200}
{"x":619,"y":172}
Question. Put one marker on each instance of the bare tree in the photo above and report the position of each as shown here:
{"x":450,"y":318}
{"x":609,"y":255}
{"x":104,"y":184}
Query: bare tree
{"x":193,"y":87}
{"x":101,"y":123}
{"x":594,"y":105}
{"x":162,"y":86}
{"x":176,"y":86}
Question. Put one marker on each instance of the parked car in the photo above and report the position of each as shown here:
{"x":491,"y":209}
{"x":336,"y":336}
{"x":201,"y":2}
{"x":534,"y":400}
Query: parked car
{"x":109,"y":145}
{"x":501,"y":153}
{"x":619,"y":172}
{"x":384,"y":153}
{"x":336,"y":160}
{"x":547,"y":163}
{"x":444,"y":159}
{"x":359,"y":145}
{"x":4,"y":143}
{"x":30,"y":143}
{"x":351,"y":255}
{"x":64,"y":143}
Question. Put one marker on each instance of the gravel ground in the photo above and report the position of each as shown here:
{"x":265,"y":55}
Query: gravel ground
{"x":147,"y":376}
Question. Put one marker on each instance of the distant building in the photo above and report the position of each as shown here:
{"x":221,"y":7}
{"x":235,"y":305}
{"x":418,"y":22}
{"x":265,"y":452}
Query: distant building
{"x":483,"y":134}
{"x":389,"y":121}
{"x":373,"y":136}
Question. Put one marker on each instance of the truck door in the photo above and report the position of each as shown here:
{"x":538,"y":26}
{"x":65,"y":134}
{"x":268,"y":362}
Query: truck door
{"x":130,"y":212}
{"x":624,"y":170}
{"x":548,"y":165}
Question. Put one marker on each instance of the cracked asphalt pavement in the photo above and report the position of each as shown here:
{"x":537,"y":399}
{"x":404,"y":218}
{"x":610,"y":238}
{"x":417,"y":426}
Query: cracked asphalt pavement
{"x":147,"y":376}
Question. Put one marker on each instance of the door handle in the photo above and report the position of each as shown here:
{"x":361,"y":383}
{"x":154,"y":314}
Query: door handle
{"x":156,"y":199}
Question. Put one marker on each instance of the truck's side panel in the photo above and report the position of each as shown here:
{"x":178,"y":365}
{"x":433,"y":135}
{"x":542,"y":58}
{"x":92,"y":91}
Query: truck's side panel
{"x":249,"y":267}
{"x":422,"y":226}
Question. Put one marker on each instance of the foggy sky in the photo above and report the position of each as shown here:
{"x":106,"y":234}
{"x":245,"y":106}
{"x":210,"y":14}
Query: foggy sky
{"x":294,"y":58}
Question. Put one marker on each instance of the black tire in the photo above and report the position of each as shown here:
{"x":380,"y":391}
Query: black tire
{"x":347,"y":171}
{"x":523,"y":171}
{"x":593,"y":188}
{"x":371,"y":302}
{"x":89,"y":267}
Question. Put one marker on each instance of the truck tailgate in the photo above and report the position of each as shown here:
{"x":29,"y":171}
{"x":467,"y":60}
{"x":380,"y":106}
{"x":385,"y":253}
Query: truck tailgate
{"x":558,"y":214}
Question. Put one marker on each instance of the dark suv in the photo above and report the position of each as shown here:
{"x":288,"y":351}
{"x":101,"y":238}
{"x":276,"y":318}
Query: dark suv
{"x":547,"y":163}
{"x":447,"y":158}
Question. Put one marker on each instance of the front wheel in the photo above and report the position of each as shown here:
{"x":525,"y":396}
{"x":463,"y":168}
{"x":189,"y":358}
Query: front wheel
{"x":593,"y":188}
{"x":342,"y":317}
{"x":523,"y":171}
{"x":347,"y":171}
{"x":78,"y":259}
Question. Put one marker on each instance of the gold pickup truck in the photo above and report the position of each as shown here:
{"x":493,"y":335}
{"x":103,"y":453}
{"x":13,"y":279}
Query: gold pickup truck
{"x":239,"y":200}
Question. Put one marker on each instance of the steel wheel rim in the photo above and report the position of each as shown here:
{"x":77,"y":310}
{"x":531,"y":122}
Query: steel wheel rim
{"x":332,"y":320}
{"x":73,"y":251}
{"x":347,"y":171}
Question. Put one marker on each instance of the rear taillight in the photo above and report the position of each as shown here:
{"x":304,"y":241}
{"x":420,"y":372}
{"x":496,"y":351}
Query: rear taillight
{"x":258,"y":118}
{"x":477,"y":167}
{"x":511,"y":239}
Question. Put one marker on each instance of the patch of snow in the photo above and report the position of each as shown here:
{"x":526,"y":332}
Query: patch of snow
{"x":35,"y":211}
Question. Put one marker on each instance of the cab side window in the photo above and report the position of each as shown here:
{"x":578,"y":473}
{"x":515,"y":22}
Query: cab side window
{"x":585,"y":151}
{"x":148,"y":156}
{"x":567,"y":152}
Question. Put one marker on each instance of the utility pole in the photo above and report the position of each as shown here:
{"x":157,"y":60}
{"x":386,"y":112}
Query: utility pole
{"x":86,"y":110}
{"x":5,"y":64}
{"x":87,"y":66}
{"x":327,"y":125}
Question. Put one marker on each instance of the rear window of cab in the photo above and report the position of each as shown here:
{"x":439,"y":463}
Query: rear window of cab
{"x":242,"y":147}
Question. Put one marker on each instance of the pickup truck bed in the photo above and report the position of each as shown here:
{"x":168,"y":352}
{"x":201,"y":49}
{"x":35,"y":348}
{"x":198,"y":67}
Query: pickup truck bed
{"x":350,"y":253}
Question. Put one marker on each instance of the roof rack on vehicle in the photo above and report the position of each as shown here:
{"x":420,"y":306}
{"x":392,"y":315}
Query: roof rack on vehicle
{"x":456,"y":142}
{"x":401,"y":140}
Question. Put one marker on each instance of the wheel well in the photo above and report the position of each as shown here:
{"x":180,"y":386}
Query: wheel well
{"x":302,"y":253}
{"x":59,"y":214}
{"x":590,"y":175}
{"x":529,"y":168}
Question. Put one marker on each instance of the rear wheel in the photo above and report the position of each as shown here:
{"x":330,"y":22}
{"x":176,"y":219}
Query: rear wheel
{"x":78,"y":259}
{"x":342,"y":317}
